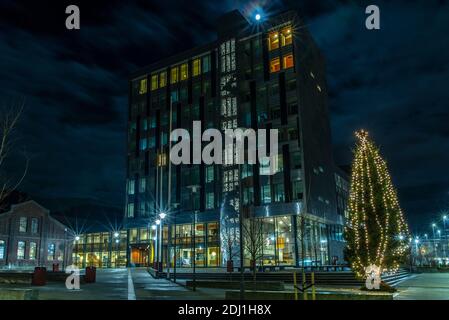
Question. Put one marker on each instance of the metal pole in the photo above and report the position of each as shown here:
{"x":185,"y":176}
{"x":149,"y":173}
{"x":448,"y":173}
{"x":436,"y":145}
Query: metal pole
{"x":242,"y":271}
{"x":444,"y":234}
{"x":174,"y":257}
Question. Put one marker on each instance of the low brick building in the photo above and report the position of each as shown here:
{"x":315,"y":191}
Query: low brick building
{"x":30,"y":237}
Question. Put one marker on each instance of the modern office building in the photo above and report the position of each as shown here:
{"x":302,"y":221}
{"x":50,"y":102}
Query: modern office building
{"x":264,"y":74}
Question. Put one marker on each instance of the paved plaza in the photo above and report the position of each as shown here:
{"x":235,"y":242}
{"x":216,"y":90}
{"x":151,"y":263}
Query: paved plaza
{"x":138,"y":284}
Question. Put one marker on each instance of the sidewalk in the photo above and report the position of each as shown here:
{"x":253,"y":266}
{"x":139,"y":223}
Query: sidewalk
{"x":148,"y":288}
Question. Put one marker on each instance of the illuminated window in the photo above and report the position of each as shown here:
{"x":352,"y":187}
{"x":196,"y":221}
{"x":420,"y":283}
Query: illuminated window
{"x":143,"y":86}
{"x":273,"y":41}
{"x":154,"y":82}
{"x":162,"y":79}
{"x":275,"y":65}
{"x":174,"y":75}
{"x":130,"y":210}
{"x":51,"y":251}
{"x":286,"y":35}
{"x":21,"y":250}
{"x":196,"y":67}
{"x":206,"y":64}
{"x":2,"y":249}
{"x":23,"y":224}
{"x":288,"y":61}
{"x":33,"y":251}
{"x":184,"y":71}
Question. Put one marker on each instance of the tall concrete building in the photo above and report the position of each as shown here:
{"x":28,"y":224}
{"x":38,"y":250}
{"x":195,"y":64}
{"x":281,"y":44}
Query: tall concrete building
{"x":259,"y":74}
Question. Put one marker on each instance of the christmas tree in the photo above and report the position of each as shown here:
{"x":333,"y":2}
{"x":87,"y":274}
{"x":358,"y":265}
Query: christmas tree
{"x":376,"y":232}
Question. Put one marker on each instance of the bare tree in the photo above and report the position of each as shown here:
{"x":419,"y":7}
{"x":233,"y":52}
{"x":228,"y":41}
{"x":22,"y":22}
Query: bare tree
{"x":253,"y":241}
{"x":229,"y":237}
{"x":9,"y":118}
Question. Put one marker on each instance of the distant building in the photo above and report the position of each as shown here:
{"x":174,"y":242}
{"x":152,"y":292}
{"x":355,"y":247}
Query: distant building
{"x":30,"y":237}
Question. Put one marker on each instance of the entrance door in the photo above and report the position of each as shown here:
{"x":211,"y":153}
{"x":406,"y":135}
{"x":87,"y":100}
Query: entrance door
{"x":139,"y":256}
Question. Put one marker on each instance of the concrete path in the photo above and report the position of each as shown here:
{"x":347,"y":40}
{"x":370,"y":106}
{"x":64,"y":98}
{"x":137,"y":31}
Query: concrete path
{"x":424,"y":286}
{"x":148,"y":288}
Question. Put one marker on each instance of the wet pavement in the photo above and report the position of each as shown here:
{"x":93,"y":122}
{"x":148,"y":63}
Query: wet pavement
{"x":424,"y":286}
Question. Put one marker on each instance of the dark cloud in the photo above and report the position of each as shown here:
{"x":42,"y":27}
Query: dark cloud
{"x":392,"y":82}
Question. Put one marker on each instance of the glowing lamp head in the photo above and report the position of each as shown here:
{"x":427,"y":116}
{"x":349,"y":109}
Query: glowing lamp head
{"x":162,"y":215}
{"x":153,"y":227}
{"x":158,"y":222}
{"x":77,"y":238}
{"x":433,"y":225}
{"x":416,"y":241}
{"x":257,"y":17}
{"x":401,"y":237}
{"x":117,"y":240}
{"x":444,"y":217}
{"x":116,"y":234}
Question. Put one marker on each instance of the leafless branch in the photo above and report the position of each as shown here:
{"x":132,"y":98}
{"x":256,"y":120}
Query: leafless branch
{"x":9,"y":118}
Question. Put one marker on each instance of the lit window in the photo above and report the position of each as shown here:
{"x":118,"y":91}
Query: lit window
{"x":275,"y":65}
{"x":21,"y":250}
{"x":143,"y":86}
{"x":51,"y":252}
{"x":288,"y":61}
{"x":206,"y":64}
{"x":196,"y":67}
{"x":154,"y":82}
{"x":143,"y":144}
{"x":184,"y":71}
{"x":34,"y":225}
{"x":143,"y":184}
{"x":209,"y":200}
{"x":209,"y":174}
{"x":131,"y":187}
{"x":130,"y":210}
{"x":162,"y":79}
{"x":2,"y":249}
{"x":174,"y":75}
{"x":286,"y":35}
{"x":33,"y":251}
{"x":273,"y":41}
{"x":23,"y":224}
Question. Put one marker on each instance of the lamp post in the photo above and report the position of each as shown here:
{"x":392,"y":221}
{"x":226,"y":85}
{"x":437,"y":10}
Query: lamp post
{"x":194,"y":189}
{"x":162,"y":216}
{"x":416,"y":249}
{"x":174,"y":247}
{"x":157,"y":239}
{"x":77,"y":239}
{"x":154,"y":230}
{"x":434,"y":241}
{"x":117,"y":241}
{"x":242,"y":266}
{"x":445,"y":236}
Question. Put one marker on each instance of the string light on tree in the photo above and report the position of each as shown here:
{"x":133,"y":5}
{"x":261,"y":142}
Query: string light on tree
{"x":376,"y":233}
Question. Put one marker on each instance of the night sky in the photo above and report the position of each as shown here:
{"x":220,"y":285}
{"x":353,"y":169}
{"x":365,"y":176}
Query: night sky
{"x":393,"y":82}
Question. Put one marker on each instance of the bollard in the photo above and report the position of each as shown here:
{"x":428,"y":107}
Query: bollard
{"x":39,"y":276}
{"x":304,"y":285}
{"x":91,"y":275}
{"x":313,"y":286}
{"x":295,"y":285}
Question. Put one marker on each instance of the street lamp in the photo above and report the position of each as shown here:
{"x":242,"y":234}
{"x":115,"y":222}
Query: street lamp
{"x":445,"y":236}
{"x":162,"y":215}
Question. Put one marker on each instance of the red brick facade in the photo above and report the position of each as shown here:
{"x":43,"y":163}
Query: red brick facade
{"x":30,"y":237}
